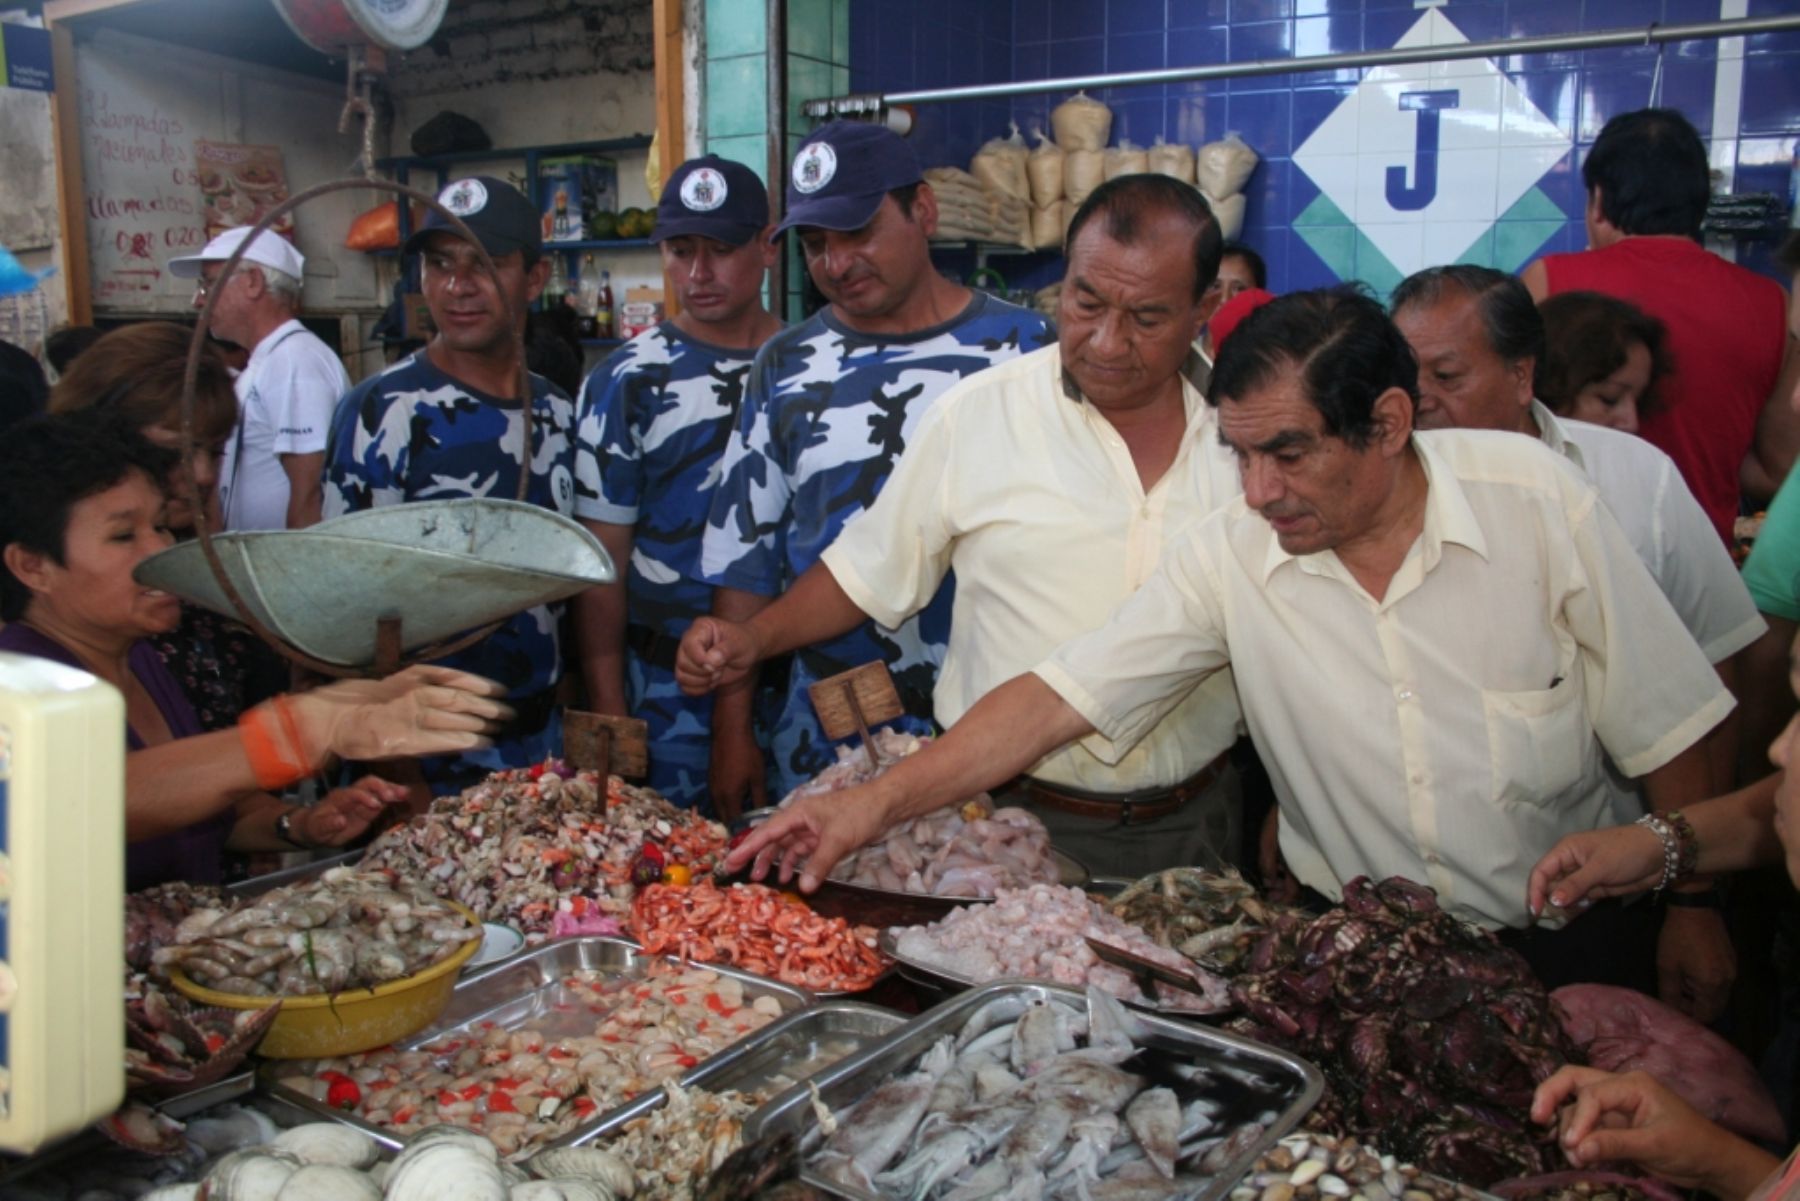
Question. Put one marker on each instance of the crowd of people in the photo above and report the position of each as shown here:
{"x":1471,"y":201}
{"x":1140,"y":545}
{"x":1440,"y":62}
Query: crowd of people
{"x":1448,"y":583}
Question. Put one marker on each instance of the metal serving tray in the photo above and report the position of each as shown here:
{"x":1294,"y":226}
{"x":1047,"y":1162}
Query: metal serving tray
{"x":777,"y":1055}
{"x":947,"y":983}
{"x":516,"y":990}
{"x":1263,"y":1078}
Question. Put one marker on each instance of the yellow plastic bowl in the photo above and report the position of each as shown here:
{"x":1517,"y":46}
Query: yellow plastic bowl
{"x":321,"y":1025}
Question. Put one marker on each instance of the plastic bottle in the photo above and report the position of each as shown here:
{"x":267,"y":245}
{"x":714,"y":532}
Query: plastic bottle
{"x":603,"y":307}
{"x":558,"y":287}
{"x":587,"y":297}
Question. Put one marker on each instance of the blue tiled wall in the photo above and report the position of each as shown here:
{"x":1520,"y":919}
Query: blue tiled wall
{"x":927,"y":43}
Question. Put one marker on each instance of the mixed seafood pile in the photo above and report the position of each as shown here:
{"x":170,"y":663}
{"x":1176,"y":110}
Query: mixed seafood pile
{"x":1431,"y":1035}
{"x":1317,"y":1167}
{"x":1041,"y":933}
{"x":1036,"y":1099}
{"x":525,"y":846}
{"x":675,"y":1148}
{"x":601,"y":1039}
{"x":969,"y":851}
{"x":1211,"y":917}
{"x":349,"y":928}
{"x":758,"y":929}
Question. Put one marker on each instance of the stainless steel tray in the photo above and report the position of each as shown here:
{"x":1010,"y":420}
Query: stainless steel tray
{"x":255,"y":886}
{"x":777,"y":1056}
{"x":1260,"y":1077}
{"x":948,"y":982}
{"x":514,"y":991}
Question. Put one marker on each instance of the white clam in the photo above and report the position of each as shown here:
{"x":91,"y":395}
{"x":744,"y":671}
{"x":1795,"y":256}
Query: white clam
{"x":446,"y":1169}
{"x":253,"y":1174}
{"x":329,"y":1182}
{"x":329,"y":1143}
{"x":172,"y":1192}
{"x":563,"y":1189}
{"x":585,"y":1163}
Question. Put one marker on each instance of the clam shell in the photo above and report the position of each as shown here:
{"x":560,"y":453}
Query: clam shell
{"x":328,"y":1182}
{"x":447,"y":1169}
{"x":584,"y":1163}
{"x":172,"y":1192}
{"x":329,"y":1143}
{"x":564,"y":1189}
{"x":253,"y":1174}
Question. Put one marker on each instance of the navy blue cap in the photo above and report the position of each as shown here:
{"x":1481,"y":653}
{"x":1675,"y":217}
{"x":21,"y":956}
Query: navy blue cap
{"x":715,"y":198}
{"x":497,"y":213}
{"x":841,"y":173}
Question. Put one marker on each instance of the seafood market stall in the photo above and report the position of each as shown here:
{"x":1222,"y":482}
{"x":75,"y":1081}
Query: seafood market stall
{"x":664,"y":1031}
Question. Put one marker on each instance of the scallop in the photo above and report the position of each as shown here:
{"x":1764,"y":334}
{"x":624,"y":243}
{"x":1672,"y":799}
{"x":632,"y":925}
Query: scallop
{"x":329,"y":1143}
{"x":328,"y":1182}
{"x":585,"y":1163}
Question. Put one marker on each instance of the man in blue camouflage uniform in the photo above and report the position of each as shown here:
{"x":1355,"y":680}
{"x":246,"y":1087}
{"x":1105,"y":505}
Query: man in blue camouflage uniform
{"x":831,"y":403}
{"x":447,"y":423}
{"x":654,"y":420}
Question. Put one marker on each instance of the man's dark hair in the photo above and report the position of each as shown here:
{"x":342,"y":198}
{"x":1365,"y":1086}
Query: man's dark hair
{"x":50,"y":463}
{"x":1652,"y":172}
{"x":1341,"y":341}
{"x":1587,"y":336}
{"x":1789,"y":254}
{"x":553,"y":346}
{"x":904,"y":195}
{"x":1125,"y":202}
{"x":1259,"y":270}
{"x":1515,"y":331}
{"x":64,"y":345}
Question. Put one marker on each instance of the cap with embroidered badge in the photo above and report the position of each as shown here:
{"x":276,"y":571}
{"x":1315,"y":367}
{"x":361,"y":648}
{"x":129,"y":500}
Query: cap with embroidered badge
{"x":712,"y":197}
{"x":498,"y":214}
{"x":841,"y":173}
{"x":268,"y":249}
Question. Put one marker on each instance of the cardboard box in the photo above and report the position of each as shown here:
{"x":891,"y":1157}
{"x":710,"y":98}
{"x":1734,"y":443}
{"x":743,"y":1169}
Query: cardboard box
{"x":572,"y":190}
{"x":642,"y":310}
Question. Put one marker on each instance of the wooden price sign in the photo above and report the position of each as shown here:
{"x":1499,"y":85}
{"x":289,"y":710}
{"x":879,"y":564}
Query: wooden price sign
{"x":615,"y":746}
{"x":852,"y":701}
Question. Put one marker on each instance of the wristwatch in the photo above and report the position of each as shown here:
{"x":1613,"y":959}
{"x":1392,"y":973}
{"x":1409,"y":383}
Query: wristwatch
{"x":284,"y":829}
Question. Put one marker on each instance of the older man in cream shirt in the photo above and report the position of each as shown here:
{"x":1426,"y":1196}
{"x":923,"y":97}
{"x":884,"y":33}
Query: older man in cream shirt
{"x":1050,"y":486}
{"x":1437,"y":640}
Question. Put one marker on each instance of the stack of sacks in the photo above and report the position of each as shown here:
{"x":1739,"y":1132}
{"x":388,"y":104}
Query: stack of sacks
{"x":1049,"y":211}
{"x":1045,"y":300}
{"x":1081,"y":126}
{"x":970,"y":211}
{"x":1171,"y":159}
{"x":1223,"y":168}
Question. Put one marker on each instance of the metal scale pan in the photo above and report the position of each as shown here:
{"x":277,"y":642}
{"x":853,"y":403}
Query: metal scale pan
{"x":441,"y":566}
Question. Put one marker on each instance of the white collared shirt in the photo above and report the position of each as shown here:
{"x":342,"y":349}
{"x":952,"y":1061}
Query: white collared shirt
{"x":1450,"y":732}
{"x":1030,"y":495}
{"x":1673,"y":535}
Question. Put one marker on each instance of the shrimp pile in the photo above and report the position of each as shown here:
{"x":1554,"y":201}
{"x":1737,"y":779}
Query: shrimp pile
{"x":755,"y":928}
{"x":601,"y":1040}
{"x":1041,"y":933}
{"x":526,"y":844}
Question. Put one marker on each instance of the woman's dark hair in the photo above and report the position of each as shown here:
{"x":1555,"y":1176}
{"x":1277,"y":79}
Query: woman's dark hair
{"x":23,"y":388}
{"x":67,"y":343}
{"x":1587,"y":336}
{"x":136,"y":372}
{"x":1514,"y":329}
{"x":50,"y":463}
{"x":1259,"y":270}
{"x":1652,"y":172}
{"x":1126,"y":202}
{"x":1340,"y":340}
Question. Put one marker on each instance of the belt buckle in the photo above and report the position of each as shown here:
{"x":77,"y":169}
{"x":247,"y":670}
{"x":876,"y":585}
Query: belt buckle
{"x":1125,"y":808}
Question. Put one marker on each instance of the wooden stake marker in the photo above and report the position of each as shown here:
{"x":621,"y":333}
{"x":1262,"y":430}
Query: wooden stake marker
{"x":617,"y":746}
{"x":852,"y":701}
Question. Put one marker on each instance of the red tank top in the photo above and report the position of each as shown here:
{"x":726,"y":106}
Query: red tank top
{"x":1727,"y":329}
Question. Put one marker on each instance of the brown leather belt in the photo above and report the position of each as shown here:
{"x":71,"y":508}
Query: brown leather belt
{"x":1126,"y":808}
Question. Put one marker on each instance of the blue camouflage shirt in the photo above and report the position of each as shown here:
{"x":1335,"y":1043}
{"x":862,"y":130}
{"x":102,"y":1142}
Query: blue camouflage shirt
{"x":828,"y":412}
{"x":415,"y":433}
{"x":654,"y":421}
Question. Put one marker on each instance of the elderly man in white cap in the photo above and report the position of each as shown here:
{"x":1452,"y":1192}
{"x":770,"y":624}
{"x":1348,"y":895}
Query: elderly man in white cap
{"x":271,"y":473}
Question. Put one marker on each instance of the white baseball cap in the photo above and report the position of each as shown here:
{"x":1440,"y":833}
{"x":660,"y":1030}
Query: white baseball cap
{"x":269,"y":249}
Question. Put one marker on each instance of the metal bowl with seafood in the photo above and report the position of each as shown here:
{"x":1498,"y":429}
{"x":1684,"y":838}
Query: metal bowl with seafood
{"x":867,"y":905}
{"x":322,"y":1024}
